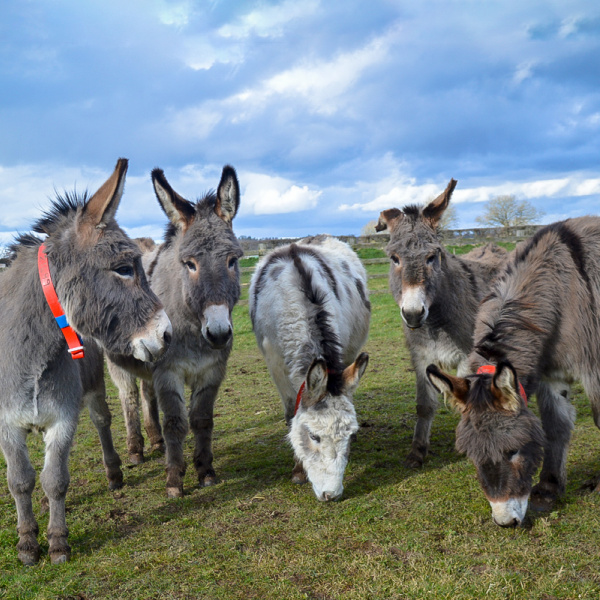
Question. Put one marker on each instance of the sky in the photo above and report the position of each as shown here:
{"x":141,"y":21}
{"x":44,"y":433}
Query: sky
{"x":330,"y":112}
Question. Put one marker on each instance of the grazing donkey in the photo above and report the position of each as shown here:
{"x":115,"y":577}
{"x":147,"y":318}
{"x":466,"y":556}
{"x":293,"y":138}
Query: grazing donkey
{"x":540,"y":326}
{"x":310,"y":312}
{"x":92,"y":274}
{"x":195,"y":273}
{"x":438,"y":295}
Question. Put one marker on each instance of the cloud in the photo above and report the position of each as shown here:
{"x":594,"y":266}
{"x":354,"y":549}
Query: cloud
{"x":269,"y":21}
{"x":266,"y":195}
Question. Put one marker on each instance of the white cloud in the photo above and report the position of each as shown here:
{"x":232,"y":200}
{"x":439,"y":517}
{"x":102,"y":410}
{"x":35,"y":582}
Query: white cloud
{"x":269,"y":21}
{"x":266,"y":195}
{"x":176,"y":14}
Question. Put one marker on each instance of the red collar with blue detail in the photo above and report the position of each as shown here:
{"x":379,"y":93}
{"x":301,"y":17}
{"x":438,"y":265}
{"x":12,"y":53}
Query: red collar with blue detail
{"x":71,"y":336}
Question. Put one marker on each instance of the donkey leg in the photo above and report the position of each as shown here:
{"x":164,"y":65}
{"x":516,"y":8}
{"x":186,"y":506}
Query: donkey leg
{"x":55,"y":482}
{"x":101,"y":418}
{"x":130,"y":404}
{"x":427,"y":404}
{"x":558,"y":419}
{"x":151,"y":418}
{"x":170,"y":392}
{"x":201,"y":422}
{"x":21,"y":481}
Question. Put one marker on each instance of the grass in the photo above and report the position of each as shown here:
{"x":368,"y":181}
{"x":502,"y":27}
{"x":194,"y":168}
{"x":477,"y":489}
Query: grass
{"x":397,"y":533}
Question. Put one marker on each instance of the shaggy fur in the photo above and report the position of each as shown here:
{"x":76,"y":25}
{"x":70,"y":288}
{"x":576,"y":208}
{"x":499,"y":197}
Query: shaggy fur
{"x":438,"y":295}
{"x":195,"y":273}
{"x":97,"y":274}
{"x":539,"y":318}
{"x":310,"y":313}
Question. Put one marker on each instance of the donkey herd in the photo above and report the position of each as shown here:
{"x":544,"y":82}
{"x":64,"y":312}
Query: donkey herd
{"x":509,"y":325}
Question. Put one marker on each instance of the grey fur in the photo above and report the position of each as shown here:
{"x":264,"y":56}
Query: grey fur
{"x":96,"y":270}
{"x":196,"y":276}
{"x":452,"y":286}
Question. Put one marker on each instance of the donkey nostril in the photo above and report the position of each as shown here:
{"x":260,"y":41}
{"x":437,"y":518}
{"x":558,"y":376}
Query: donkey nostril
{"x":167,"y":337}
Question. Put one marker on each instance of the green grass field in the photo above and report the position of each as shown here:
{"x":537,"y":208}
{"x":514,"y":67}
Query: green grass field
{"x":397,"y":533}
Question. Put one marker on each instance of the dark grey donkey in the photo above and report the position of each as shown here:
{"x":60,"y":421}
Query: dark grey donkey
{"x":195,"y":273}
{"x":539,"y":326}
{"x":438,"y":295}
{"x":99,"y":281}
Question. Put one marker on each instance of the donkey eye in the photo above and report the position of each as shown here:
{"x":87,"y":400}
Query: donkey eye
{"x":124,"y":270}
{"x":190,"y":265}
{"x":431,"y":259}
{"x":314,"y":437}
{"x":395,"y":259}
{"x":511,"y":454}
{"x":232,"y":262}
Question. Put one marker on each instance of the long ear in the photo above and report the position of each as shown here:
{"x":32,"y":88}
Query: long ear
{"x":389,"y":219}
{"x":505,"y":387}
{"x":228,"y":195}
{"x":180,"y":212}
{"x":454,"y":389}
{"x":435,"y":209}
{"x":102,"y":206}
{"x":316,"y":383}
{"x":354,"y":372}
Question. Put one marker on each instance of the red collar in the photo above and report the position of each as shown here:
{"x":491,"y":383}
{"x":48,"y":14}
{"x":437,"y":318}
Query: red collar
{"x":73,"y":341}
{"x":299,"y":396}
{"x":491,"y":369}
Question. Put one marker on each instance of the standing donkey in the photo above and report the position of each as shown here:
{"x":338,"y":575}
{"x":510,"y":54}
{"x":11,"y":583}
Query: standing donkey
{"x":438,"y":295}
{"x":195,"y":273}
{"x":310,"y":312}
{"x":537,"y":331}
{"x":92,"y":274}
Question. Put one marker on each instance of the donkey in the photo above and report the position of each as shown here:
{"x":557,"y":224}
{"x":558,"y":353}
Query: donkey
{"x":438,"y":295}
{"x":539,"y":327}
{"x":101,"y":293}
{"x":195,"y":273}
{"x":310,"y":312}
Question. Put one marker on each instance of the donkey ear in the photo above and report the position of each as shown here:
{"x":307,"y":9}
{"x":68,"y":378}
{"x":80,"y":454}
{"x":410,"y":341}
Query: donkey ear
{"x":102,"y":206}
{"x":435,"y":209}
{"x":228,"y":195}
{"x":352,"y":374}
{"x":180,"y":212}
{"x":389,"y":219}
{"x":454,"y":389}
{"x":505,"y":386}
{"x":316,"y":383}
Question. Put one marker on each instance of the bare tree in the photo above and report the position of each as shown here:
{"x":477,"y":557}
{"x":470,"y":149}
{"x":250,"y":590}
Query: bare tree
{"x":369,"y":228}
{"x":507,"y":211}
{"x":449,"y":219}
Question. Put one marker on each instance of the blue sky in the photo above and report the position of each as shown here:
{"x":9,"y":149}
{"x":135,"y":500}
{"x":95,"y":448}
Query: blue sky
{"x":329,"y":111}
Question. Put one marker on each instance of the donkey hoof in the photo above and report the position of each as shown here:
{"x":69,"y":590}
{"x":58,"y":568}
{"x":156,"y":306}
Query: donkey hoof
{"x":59,"y":558}
{"x":208,"y":481}
{"x":414,"y":461}
{"x":158,"y":447}
{"x":175,"y":492}
{"x":29,"y":557}
{"x":136,"y":458}
{"x":115,"y":484}
{"x":299,"y":478}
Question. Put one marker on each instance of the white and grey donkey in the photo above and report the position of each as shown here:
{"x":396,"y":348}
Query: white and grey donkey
{"x":195,"y":273}
{"x":310,"y":311}
{"x":97,"y":273}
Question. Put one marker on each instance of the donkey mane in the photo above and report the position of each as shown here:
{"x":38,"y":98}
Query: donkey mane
{"x":63,"y":206}
{"x":205,"y":204}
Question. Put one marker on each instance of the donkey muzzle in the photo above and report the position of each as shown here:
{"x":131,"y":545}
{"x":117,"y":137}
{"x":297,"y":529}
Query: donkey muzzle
{"x":216,"y":326}
{"x":413,"y":306}
{"x":152,"y":342}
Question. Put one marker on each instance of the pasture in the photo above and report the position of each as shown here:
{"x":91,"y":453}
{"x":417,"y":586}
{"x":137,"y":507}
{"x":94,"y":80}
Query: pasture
{"x":397,"y":533}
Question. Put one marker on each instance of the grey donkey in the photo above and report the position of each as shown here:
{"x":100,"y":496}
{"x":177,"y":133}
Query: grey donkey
{"x":97,"y":275}
{"x":195,"y":273}
{"x":539,"y":327}
{"x":438,"y":295}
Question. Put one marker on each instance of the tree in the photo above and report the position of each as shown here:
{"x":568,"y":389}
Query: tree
{"x":449,"y":219}
{"x":369,"y":228}
{"x":507,"y":211}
